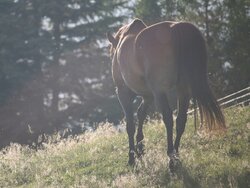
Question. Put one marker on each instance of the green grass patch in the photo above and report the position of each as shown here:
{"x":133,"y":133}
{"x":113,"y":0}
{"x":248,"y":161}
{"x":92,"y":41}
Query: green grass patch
{"x":99,"y":159}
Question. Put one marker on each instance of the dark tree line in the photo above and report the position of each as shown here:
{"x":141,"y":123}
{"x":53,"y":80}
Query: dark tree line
{"x":53,"y":71}
{"x":54,"y":62}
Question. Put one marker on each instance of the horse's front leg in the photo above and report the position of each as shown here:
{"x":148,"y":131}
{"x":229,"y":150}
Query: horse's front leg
{"x":142,"y":114}
{"x":126,"y":98}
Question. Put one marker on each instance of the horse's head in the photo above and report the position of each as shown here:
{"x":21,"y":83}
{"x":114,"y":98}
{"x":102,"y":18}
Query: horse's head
{"x":132,"y":28}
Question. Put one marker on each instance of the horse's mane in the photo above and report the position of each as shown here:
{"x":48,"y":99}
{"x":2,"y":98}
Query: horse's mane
{"x":132,"y":28}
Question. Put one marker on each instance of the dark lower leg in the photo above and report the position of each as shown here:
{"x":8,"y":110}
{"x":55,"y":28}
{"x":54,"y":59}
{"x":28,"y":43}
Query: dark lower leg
{"x":141,"y":114}
{"x":168,"y":121}
{"x":167,"y":115}
{"x":180,"y":127}
{"x":126,"y":100}
{"x":131,"y":131}
{"x":181,"y":121}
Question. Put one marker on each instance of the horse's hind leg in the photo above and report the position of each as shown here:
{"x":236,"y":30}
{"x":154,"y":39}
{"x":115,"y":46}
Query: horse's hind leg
{"x":126,"y":97}
{"x":183,"y":103}
{"x":167,"y":115}
{"x":142,"y":114}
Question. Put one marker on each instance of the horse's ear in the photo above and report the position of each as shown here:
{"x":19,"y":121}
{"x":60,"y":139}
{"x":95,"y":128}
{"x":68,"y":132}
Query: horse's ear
{"x":111,"y":39}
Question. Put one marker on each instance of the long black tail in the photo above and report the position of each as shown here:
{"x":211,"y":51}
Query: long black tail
{"x":192,"y":65}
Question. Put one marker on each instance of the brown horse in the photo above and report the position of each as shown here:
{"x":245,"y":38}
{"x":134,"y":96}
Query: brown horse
{"x":153,"y":61}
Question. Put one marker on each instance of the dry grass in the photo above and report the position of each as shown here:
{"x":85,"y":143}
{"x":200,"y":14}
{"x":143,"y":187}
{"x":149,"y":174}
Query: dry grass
{"x":99,"y":159}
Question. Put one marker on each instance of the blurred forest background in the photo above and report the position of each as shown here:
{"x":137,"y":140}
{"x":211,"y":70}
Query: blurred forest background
{"x":55,"y":65}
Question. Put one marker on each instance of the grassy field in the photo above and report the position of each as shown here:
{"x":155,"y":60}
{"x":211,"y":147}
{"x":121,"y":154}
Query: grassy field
{"x":99,"y":159}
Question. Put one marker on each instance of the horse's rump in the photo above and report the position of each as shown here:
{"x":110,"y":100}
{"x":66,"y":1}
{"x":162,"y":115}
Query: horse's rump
{"x":156,"y":57}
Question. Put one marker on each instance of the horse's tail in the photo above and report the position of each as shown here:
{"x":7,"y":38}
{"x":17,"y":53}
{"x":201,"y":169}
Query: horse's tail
{"x":191,"y":56}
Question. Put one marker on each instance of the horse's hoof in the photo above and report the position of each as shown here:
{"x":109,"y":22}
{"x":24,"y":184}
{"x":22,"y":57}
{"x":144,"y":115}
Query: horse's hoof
{"x":177,"y":155}
{"x":172,"y":166}
{"x":174,"y":155}
{"x":131,"y":163}
{"x":174,"y":163}
{"x":140,"y":149}
{"x":131,"y":160}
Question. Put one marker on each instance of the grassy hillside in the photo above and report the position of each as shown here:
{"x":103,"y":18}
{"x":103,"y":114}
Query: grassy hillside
{"x":99,"y":159}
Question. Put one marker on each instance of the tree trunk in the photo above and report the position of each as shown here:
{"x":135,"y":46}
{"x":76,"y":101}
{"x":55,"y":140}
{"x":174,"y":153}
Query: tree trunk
{"x":55,"y":76}
{"x":206,"y":4}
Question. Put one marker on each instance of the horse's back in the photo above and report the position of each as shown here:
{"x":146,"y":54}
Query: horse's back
{"x":157,"y":33}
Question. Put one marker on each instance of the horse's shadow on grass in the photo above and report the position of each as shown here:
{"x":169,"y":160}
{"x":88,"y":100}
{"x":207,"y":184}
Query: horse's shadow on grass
{"x":181,"y":175}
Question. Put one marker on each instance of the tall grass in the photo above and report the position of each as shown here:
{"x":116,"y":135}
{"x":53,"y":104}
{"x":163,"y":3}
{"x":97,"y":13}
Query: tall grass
{"x":99,"y":159}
